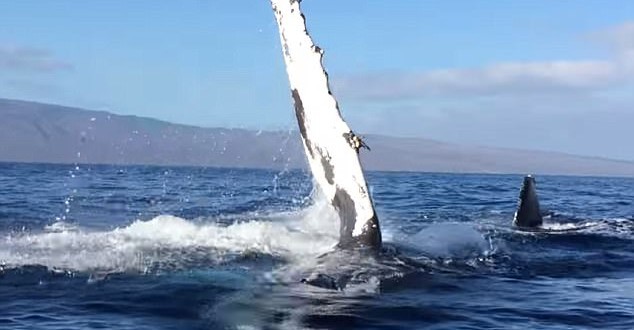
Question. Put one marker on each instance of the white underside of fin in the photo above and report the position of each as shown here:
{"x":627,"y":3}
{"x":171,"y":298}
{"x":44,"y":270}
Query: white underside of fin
{"x":333,"y":160}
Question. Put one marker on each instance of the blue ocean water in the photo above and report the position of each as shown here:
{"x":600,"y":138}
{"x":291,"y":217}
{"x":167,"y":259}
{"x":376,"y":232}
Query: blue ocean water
{"x":87,"y":247}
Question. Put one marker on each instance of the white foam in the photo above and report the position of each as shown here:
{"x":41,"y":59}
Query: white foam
{"x":554,"y":226}
{"x":371,"y":286}
{"x":292,"y":235}
{"x":614,"y":227}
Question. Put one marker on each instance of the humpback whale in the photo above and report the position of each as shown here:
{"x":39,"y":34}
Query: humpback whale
{"x":528,"y":214}
{"x":331,"y":147}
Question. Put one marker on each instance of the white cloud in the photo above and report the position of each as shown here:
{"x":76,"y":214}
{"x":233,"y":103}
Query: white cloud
{"x":620,"y":37}
{"x":621,"y":40}
{"x":30,"y":59}
{"x":546,"y":77}
{"x":575,"y":106}
{"x":503,"y":78}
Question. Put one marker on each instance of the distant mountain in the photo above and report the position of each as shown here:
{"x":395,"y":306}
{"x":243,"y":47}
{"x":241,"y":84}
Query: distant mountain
{"x":36,"y":132}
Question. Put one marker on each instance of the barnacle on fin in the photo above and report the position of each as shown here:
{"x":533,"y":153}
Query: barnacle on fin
{"x":356,"y":141}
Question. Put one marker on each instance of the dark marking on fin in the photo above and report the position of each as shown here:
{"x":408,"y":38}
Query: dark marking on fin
{"x":528,"y":214}
{"x":345,"y":207}
{"x":328,"y":169}
{"x":371,"y":234}
{"x":299,"y":113}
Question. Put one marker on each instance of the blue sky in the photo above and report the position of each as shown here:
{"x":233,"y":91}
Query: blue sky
{"x":549,"y":75}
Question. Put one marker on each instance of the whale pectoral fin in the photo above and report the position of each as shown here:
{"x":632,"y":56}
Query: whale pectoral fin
{"x":528,"y":214}
{"x":330,"y":145}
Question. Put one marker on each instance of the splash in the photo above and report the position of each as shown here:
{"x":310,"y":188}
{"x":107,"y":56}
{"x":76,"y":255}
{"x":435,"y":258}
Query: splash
{"x":174,"y":242}
{"x":446,"y":240}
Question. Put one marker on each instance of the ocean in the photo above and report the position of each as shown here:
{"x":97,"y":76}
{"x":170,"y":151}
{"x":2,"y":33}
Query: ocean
{"x":147,"y":247}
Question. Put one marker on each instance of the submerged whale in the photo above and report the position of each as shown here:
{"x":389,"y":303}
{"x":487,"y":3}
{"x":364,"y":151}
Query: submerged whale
{"x":528,"y":213}
{"x":331,"y":147}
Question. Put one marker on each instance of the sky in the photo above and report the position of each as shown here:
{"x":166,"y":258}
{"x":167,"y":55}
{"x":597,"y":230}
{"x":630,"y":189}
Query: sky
{"x":530,"y":74}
